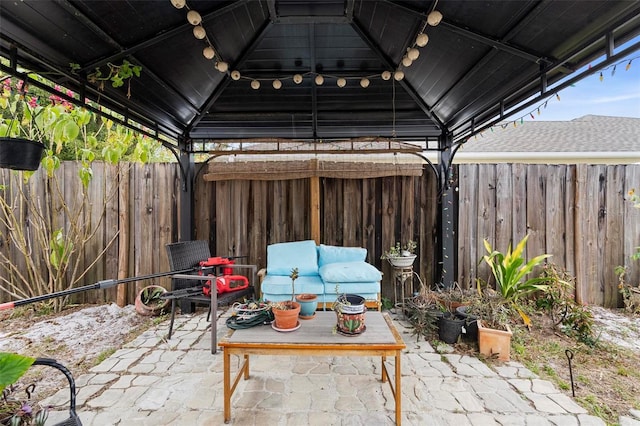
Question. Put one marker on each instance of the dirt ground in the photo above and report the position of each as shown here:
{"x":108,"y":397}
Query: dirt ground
{"x":606,"y":378}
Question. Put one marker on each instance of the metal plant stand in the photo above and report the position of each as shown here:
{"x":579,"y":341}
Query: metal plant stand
{"x":403,"y":278}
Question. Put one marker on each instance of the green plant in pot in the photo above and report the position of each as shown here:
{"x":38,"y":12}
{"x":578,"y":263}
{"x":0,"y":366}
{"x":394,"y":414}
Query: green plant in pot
{"x":286,"y":312}
{"x":510,"y":272}
{"x":401,"y":255}
{"x":14,"y":410}
{"x":494,"y":314}
{"x":350,"y":312}
{"x":150,"y":302}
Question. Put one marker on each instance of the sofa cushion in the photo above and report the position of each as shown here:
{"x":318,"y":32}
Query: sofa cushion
{"x":349,"y":272}
{"x":334,"y":254}
{"x":282,"y":257}
{"x":281,"y":284}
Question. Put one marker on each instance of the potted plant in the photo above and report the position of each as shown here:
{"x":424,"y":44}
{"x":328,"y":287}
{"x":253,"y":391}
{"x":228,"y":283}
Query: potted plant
{"x":286,"y":312}
{"x":15,"y":410}
{"x":494,"y":334}
{"x":149,"y":301}
{"x":400,"y":256}
{"x":308,"y":305}
{"x":21,"y":140}
{"x":350,"y":312}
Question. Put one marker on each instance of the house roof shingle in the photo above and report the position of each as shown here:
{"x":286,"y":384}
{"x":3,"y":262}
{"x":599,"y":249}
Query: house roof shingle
{"x":590,"y":133}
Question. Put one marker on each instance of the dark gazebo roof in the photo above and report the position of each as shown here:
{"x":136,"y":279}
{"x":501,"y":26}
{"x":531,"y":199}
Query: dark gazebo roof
{"x":484,"y":59}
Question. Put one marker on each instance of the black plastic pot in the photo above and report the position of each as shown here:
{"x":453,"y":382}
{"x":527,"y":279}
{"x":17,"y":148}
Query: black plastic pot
{"x":20,"y":154}
{"x":470,"y":331}
{"x":450,"y":328}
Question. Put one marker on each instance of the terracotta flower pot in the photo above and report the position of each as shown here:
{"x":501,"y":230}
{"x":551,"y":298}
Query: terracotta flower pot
{"x":154,"y":306}
{"x":287,"y":318}
{"x":493,"y":342}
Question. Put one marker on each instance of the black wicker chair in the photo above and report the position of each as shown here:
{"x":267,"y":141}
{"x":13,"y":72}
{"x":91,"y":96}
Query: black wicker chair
{"x":188,"y":254}
{"x":73,"y":419}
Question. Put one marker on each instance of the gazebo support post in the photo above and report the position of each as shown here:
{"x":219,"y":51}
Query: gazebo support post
{"x":447,"y":217}
{"x":186,"y":199}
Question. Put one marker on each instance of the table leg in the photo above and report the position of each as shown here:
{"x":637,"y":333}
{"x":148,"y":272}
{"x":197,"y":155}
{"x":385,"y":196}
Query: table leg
{"x":227,"y":386}
{"x":384,"y":369}
{"x":246,"y":368}
{"x":398,"y":390}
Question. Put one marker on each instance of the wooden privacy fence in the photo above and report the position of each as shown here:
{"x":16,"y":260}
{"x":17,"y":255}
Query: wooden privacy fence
{"x":575,"y":212}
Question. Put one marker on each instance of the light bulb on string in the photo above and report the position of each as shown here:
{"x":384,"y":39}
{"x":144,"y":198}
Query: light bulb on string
{"x":199,"y":32}
{"x":208,"y":52}
{"x":178,"y":4}
{"x":341,"y":82}
{"x":222,"y":66}
{"x":532,"y":116}
{"x":406,"y":61}
{"x":628,"y":66}
{"x":422,"y":39}
{"x":557,"y":97}
{"x":319,"y":80}
{"x":277,"y":84}
{"x":398,"y":75}
{"x":364,"y":83}
{"x":434,"y":18}
{"x":413,"y":53}
{"x":255,"y":84}
{"x":235,"y":75}
{"x":297,"y":78}
{"x":386,"y":75}
{"x":194,"y":17}
{"x":601,"y":76}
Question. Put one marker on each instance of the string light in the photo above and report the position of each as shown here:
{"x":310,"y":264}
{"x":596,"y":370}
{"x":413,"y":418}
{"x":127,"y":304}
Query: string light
{"x":194,"y":17}
{"x":543,"y":105}
{"x":209,"y":52}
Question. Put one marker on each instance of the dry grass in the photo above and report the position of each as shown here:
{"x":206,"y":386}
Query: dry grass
{"x":606,"y":376}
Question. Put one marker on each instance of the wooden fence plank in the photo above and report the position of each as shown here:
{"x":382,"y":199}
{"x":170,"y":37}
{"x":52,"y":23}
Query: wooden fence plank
{"x":486,"y":216}
{"x":613,"y":250}
{"x":631,"y":220}
{"x":467,"y":225}
{"x":554,"y":214}
{"x":504,"y":205}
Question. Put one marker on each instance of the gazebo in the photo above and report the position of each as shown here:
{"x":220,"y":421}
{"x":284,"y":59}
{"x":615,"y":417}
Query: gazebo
{"x":326,"y":77}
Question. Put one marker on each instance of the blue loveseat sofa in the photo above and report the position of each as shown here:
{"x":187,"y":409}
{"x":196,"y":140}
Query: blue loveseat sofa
{"x":322,"y":270}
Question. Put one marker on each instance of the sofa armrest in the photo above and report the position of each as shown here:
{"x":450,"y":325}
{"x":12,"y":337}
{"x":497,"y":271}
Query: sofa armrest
{"x":261,"y":274}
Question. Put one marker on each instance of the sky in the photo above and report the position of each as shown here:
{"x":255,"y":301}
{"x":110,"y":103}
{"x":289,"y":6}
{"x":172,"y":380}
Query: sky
{"x":616,"y":95}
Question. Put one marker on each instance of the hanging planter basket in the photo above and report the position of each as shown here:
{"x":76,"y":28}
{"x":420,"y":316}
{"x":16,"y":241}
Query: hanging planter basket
{"x":20,"y":154}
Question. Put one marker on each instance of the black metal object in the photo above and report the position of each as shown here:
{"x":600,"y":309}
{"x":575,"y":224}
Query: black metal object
{"x":73,"y":419}
{"x":185,"y":254}
{"x":569,"y":354}
{"x":483,"y":59}
{"x":100,"y":285}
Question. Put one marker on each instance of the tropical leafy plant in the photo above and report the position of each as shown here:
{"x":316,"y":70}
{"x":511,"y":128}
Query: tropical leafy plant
{"x":12,"y":367}
{"x":510,"y":270}
{"x":18,"y":412}
{"x":39,"y":218}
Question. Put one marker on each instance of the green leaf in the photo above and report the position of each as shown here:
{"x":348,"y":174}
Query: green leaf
{"x":71,"y":130}
{"x":12,"y":367}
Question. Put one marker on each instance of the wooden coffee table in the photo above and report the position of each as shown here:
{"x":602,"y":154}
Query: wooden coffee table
{"x":315,"y":338}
